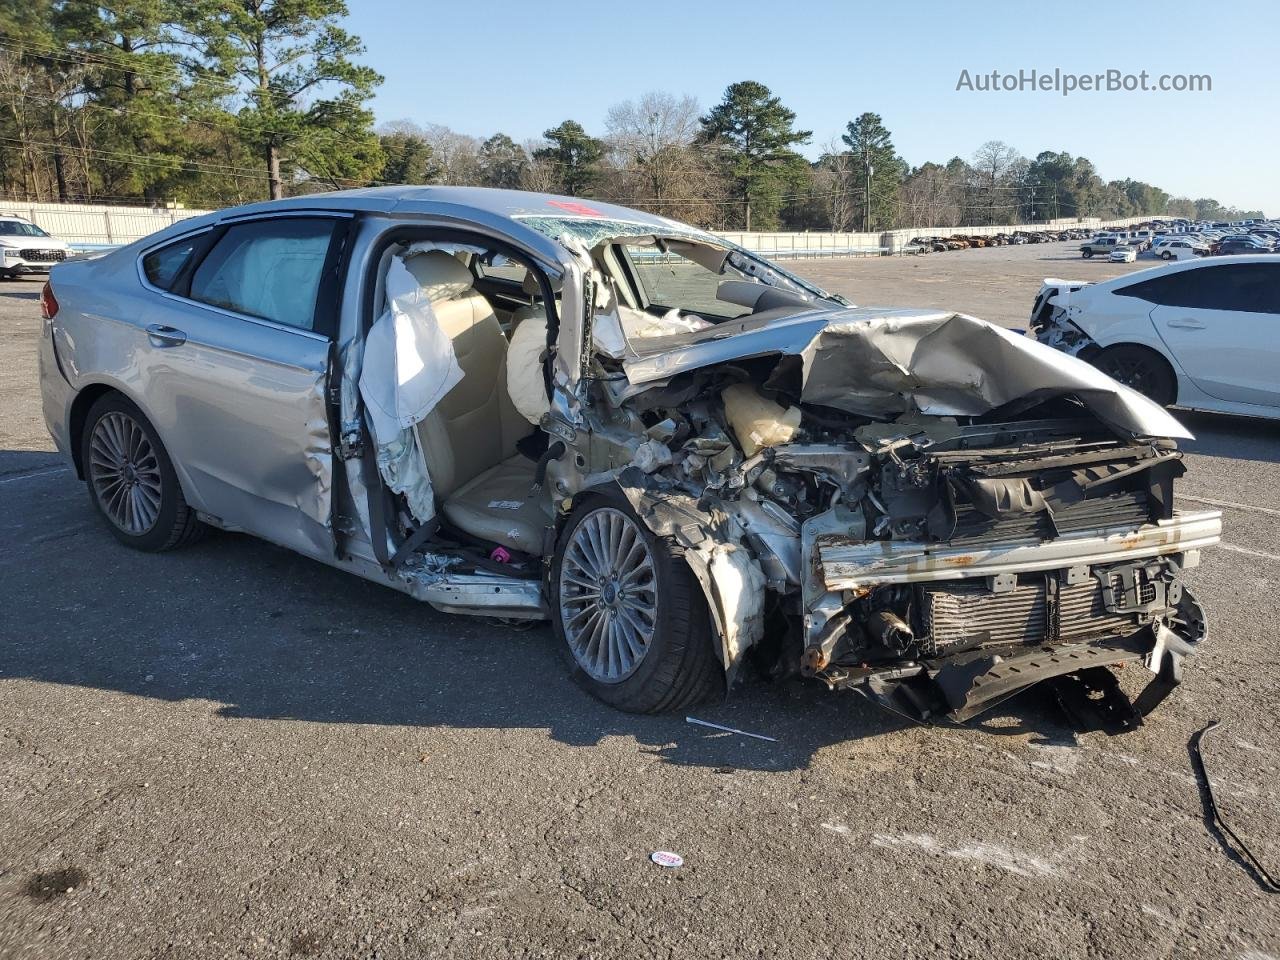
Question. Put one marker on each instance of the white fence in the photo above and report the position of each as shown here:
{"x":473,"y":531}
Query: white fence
{"x":87,"y":223}
{"x":803,"y":245}
{"x":84,"y":223}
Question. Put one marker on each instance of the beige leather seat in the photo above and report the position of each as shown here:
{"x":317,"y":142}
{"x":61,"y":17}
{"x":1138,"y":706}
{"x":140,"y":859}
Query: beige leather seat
{"x":469,"y":439}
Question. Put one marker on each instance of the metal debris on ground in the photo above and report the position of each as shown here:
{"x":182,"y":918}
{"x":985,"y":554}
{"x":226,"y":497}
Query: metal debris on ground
{"x":717,"y":726}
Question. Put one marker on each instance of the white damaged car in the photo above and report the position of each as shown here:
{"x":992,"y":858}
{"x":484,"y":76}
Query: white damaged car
{"x":684,"y":457}
{"x":1203,"y":334}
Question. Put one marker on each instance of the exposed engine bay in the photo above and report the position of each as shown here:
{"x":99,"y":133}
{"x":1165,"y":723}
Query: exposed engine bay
{"x":936,"y":562}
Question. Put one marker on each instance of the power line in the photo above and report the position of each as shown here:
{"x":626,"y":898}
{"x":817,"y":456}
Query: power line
{"x":50,"y":149}
{"x":87,"y":58}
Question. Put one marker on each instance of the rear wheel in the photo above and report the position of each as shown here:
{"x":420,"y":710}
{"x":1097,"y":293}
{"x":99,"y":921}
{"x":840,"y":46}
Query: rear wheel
{"x":131,"y":480}
{"x":1142,"y":369}
{"x":629,"y":614}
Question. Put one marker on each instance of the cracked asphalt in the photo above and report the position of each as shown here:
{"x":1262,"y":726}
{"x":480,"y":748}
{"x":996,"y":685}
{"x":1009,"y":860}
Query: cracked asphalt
{"x":230,"y":751}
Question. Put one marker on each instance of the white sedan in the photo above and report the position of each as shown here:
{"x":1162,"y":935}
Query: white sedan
{"x":1124,"y":255}
{"x":1203,"y":334}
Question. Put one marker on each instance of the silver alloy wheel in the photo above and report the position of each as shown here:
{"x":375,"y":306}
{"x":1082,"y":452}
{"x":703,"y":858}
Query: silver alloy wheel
{"x":125,"y":473}
{"x":608,"y":595}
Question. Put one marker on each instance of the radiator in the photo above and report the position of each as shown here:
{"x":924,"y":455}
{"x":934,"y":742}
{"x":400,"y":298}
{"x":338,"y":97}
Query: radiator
{"x":958,"y":613}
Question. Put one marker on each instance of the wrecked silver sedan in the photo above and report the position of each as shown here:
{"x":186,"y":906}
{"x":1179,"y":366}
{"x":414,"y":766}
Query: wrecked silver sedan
{"x":524,"y":406}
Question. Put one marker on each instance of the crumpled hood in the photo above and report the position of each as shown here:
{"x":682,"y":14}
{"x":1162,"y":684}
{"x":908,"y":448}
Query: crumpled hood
{"x":885,"y":362}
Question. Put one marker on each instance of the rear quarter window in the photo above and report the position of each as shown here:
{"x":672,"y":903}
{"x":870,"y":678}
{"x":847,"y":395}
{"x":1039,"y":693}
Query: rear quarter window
{"x":163,"y":266}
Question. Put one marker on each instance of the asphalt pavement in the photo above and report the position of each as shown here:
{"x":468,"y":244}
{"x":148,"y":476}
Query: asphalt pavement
{"x":231,"y":751}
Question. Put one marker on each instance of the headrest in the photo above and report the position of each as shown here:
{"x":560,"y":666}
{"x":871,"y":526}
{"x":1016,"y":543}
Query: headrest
{"x":439,"y":274}
{"x":532,"y":288}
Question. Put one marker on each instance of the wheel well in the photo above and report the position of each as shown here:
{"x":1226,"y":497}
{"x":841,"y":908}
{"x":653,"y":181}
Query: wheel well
{"x":85,"y":399}
{"x":1160,"y":358}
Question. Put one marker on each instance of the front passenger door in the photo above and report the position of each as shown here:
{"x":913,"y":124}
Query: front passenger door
{"x":236,"y":370}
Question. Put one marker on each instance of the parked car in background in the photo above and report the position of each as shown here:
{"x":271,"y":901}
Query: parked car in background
{"x":1200,"y":333}
{"x":1235,"y":248}
{"x":513,"y":404}
{"x":1176,"y":248}
{"x":27,"y":249}
{"x":1125,"y":254}
{"x":1100,"y":245}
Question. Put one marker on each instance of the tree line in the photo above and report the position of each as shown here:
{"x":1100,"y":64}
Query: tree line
{"x":216,"y":102}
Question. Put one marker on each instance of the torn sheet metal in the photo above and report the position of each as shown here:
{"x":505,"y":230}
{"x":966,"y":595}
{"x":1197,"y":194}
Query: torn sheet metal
{"x":732,"y":580}
{"x":739,"y":586}
{"x":886,"y":363}
{"x":409,"y":365}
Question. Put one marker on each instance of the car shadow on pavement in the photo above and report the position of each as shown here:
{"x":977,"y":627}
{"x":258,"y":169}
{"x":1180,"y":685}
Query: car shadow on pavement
{"x":262,"y":633}
{"x":20,"y":290}
{"x":1240,"y":438}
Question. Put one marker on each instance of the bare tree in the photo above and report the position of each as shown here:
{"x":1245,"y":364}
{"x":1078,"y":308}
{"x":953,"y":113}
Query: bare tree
{"x":456,"y":155}
{"x":538,"y":175}
{"x":930,"y":198}
{"x":652,"y":135}
{"x":833,"y":181}
{"x":993,"y":166}
{"x":652,"y":158}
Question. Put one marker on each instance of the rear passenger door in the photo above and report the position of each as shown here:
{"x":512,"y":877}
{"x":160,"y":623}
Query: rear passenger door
{"x":237,"y":360}
{"x":1222,"y":324}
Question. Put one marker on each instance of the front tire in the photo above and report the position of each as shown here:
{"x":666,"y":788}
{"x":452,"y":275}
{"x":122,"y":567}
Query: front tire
{"x":1142,"y":369}
{"x":628,"y":613}
{"x":1087,"y":254}
{"x":131,"y":480}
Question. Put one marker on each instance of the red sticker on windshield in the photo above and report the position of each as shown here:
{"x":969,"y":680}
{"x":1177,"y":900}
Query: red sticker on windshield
{"x":579,"y":208}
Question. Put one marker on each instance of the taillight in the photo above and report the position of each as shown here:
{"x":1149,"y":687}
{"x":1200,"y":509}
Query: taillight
{"x":48,"y":302}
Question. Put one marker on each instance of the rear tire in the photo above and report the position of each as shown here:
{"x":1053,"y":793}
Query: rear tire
{"x":131,"y":480}
{"x":1142,"y":369}
{"x":628,"y":614}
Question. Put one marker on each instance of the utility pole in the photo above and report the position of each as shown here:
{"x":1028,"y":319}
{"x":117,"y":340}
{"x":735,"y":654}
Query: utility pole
{"x":866,"y":216}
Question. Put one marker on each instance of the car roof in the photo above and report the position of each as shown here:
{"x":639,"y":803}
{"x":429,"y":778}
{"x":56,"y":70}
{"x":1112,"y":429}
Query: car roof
{"x":502,"y":203}
{"x":1178,"y":266}
{"x":479,"y":204}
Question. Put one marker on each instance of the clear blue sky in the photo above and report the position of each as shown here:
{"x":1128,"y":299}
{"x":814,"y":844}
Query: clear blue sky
{"x":521,"y":67}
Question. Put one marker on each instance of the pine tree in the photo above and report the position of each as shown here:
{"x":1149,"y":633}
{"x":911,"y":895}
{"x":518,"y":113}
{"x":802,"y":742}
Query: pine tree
{"x":754,"y":133}
{"x":574,"y":155}
{"x":302,"y":107}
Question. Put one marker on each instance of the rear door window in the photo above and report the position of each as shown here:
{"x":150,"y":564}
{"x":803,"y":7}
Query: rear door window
{"x":271,"y":269}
